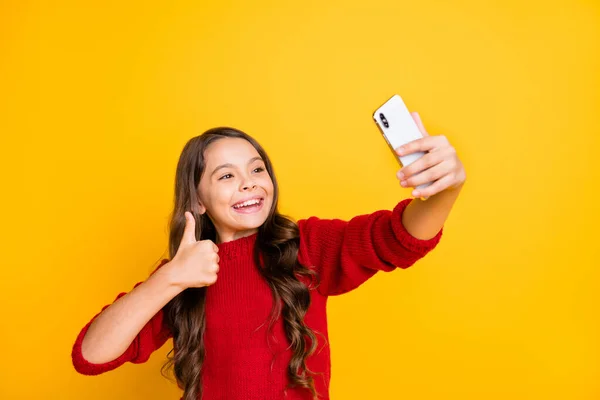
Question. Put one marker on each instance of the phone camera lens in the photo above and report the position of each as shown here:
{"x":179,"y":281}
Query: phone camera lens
{"x":385,"y":122}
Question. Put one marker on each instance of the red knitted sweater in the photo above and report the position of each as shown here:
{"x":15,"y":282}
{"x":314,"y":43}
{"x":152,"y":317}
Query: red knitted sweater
{"x":243,"y":362}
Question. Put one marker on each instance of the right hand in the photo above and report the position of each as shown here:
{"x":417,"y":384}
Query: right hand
{"x":196,"y":263}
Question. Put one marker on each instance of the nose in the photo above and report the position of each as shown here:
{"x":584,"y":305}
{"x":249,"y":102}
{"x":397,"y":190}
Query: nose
{"x":248,"y":184}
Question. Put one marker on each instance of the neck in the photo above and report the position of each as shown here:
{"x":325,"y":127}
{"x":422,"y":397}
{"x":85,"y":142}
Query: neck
{"x":223,"y":237}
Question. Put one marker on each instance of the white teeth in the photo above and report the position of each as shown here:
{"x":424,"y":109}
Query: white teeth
{"x":247,"y":203}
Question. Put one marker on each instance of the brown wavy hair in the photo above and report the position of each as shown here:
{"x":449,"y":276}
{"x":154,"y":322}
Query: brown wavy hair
{"x":277,"y":241}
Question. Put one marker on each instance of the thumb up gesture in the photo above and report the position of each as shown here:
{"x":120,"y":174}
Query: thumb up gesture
{"x":196,"y":263}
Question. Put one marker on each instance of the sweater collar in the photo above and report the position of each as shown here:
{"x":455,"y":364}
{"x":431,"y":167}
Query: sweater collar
{"x":237,"y":247}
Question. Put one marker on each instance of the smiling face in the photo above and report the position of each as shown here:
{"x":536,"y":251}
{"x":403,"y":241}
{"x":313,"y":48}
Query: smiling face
{"x":235,"y":189}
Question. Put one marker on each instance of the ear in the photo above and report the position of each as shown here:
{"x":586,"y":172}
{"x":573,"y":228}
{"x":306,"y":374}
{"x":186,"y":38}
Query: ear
{"x":201,"y":208}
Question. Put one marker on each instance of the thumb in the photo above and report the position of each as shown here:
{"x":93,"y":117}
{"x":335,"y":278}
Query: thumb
{"x":417,"y":119}
{"x":189,"y":233}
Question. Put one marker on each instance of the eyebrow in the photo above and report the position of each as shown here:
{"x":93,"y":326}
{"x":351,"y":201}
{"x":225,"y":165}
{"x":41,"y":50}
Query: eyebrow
{"x":228,"y":165}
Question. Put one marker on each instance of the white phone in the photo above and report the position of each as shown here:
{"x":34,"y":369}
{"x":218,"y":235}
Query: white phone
{"x":398,"y":128}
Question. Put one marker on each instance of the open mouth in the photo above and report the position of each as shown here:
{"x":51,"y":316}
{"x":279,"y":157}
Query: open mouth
{"x":250,"y":206}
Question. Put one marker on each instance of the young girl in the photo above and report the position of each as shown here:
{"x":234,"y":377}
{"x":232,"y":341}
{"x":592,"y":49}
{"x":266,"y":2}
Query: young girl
{"x":244,"y":292}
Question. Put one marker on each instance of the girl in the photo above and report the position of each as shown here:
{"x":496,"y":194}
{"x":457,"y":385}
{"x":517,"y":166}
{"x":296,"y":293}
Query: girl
{"x":243,"y":293}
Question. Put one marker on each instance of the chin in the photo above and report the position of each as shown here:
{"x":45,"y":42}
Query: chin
{"x":246,"y":222}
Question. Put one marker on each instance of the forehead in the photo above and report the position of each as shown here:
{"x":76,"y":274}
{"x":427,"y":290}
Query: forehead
{"x":229,"y":150}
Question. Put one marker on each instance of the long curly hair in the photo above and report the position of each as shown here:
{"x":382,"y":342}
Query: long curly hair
{"x":275,"y":255}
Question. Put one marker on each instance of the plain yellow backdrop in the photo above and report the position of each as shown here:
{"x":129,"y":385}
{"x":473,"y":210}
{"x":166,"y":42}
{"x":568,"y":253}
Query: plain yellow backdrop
{"x":97,"y":102}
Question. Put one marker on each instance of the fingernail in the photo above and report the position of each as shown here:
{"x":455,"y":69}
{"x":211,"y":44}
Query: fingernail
{"x":403,"y":183}
{"x":400,"y":175}
{"x":416,"y":193}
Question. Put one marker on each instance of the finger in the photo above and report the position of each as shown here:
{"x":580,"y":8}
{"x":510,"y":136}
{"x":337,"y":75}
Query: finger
{"x":211,"y":280}
{"x":436,"y":187}
{"x":209,"y":243}
{"x":427,"y":161}
{"x":429,"y":175}
{"x":189,"y":232}
{"x":417,"y":119}
{"x":423,"y":144}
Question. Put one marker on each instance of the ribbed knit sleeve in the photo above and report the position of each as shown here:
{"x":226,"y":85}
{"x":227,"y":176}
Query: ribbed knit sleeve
{"x":347,"y":253}
{"x":152,"y":336}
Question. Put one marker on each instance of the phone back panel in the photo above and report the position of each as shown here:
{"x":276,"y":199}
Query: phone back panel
{"x":400,"y":129}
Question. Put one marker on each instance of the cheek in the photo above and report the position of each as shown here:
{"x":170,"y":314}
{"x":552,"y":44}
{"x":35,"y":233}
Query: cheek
{"x":224,"y":195}
{"x":216,"y":196}
{"x":267,"y":184}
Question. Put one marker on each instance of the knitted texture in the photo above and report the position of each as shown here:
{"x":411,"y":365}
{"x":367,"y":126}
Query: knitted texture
{"x":244,"y":361}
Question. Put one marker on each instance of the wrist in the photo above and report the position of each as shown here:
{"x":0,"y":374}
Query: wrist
{"x":167,"y":275}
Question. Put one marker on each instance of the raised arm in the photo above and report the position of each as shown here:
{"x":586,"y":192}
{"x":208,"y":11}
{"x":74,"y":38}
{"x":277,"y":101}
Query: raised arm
{"x":347,"y":253}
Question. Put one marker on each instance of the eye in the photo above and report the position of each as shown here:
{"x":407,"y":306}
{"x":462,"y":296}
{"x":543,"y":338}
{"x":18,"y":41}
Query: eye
{"x":259,"y":169}
{"x":223,"y":177}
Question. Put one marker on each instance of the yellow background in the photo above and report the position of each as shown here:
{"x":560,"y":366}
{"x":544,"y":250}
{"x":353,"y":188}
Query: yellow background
{"x":97,"y":102}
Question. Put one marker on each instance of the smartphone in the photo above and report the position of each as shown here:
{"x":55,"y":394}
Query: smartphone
{"x":398,"y":127}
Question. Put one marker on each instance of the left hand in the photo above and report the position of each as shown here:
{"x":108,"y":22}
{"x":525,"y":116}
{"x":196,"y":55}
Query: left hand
{"x":439,"y":165}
